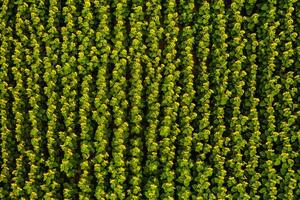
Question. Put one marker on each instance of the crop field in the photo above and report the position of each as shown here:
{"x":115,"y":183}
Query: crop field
{"x":149,"y":99}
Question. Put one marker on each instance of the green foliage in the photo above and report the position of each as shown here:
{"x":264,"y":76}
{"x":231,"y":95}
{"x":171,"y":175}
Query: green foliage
{"x":149,"y":99}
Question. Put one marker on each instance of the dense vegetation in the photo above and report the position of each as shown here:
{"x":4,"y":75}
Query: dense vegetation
{"x":149,"y":99}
